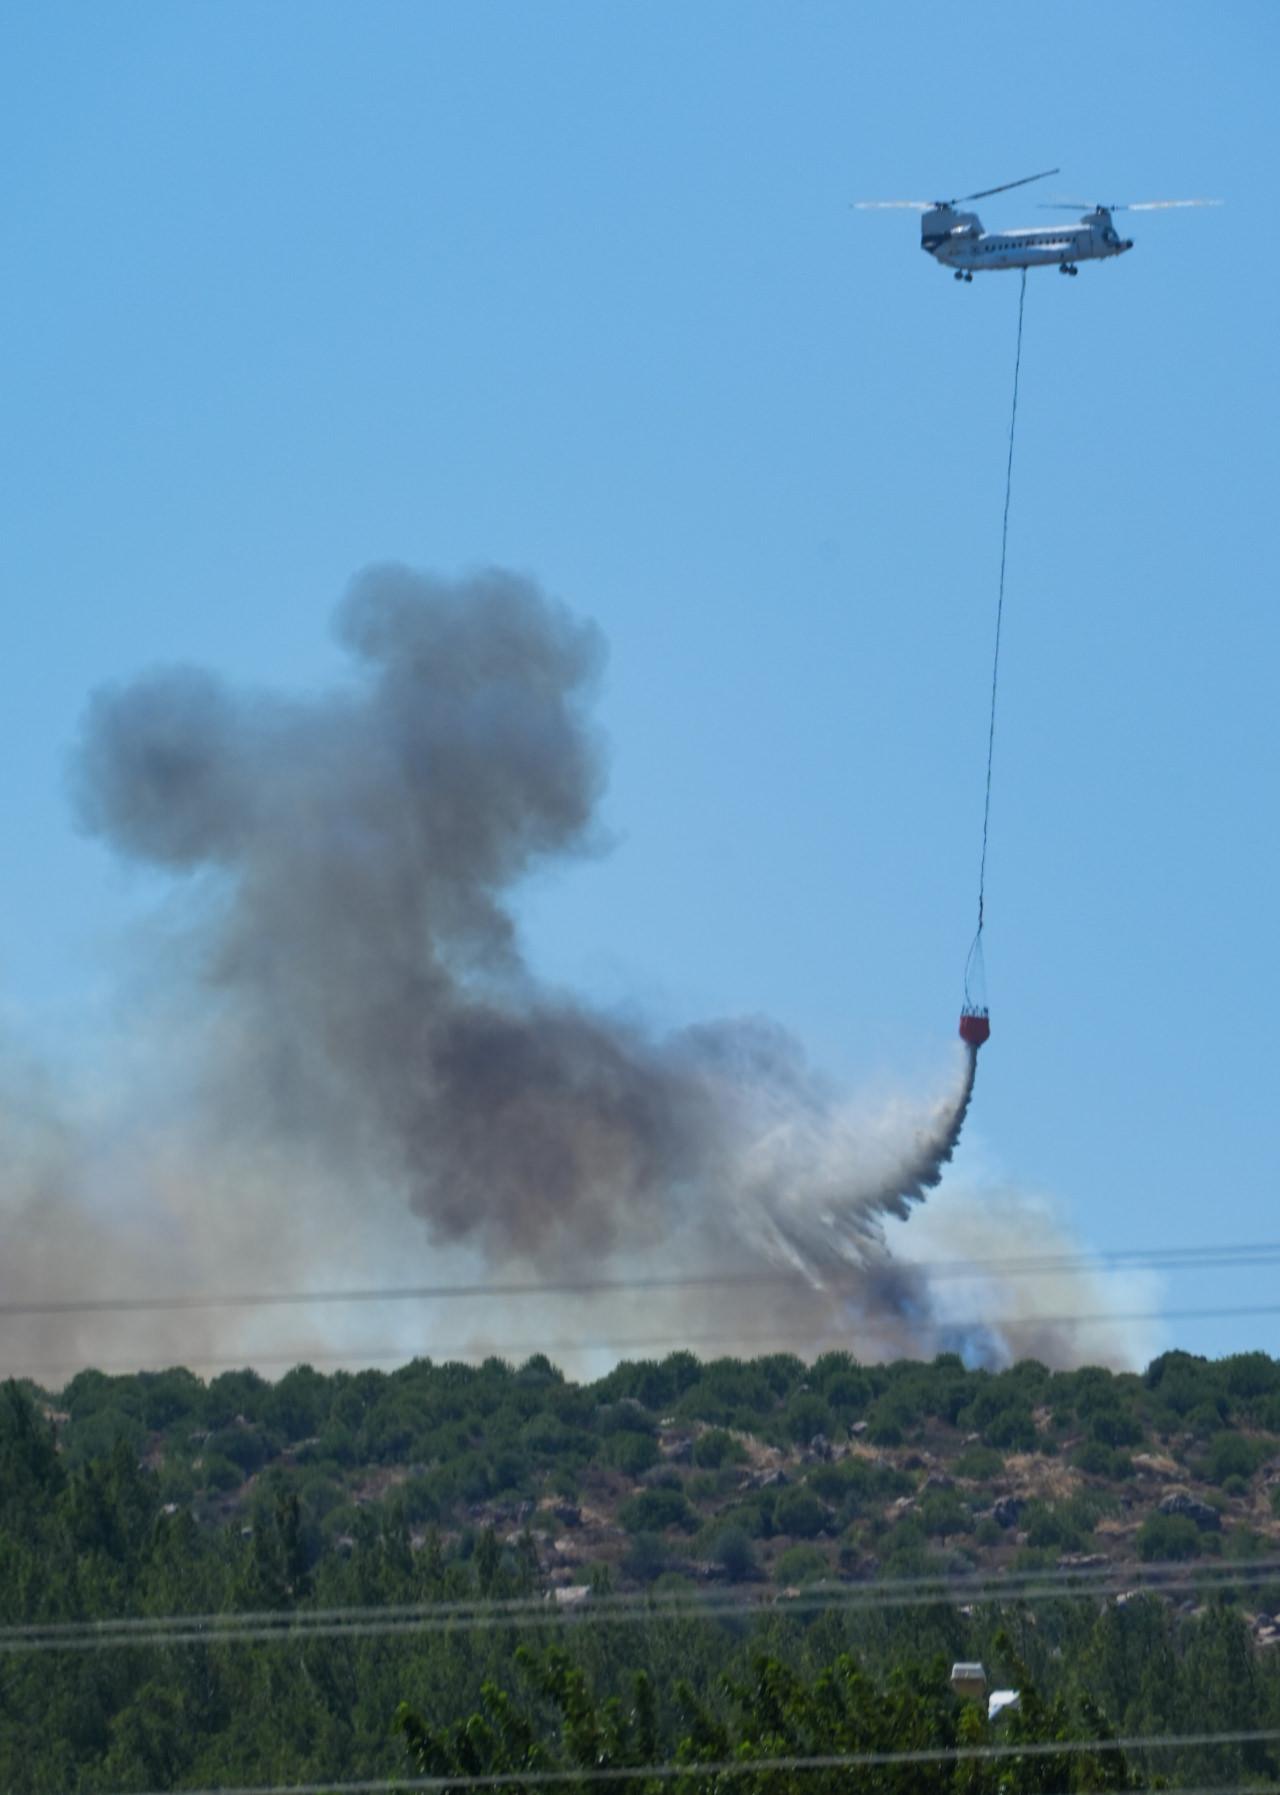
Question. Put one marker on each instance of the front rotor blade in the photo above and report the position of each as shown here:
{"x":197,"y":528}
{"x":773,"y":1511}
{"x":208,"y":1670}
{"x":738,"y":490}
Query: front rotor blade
{"x":891,"y":205}
{"x":1164,"y":205}
{"x":1004,"y":187}
{"x":1070,"y":205}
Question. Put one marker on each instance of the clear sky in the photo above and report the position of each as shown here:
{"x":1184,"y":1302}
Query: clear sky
{"x":575,"y":288}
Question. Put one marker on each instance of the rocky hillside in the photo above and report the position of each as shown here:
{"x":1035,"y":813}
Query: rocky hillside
{"x":771,"y":1472}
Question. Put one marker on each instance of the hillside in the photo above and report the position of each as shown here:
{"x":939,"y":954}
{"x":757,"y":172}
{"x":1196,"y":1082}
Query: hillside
{"x":770,"y":1471}
{"x":307,"y":1509}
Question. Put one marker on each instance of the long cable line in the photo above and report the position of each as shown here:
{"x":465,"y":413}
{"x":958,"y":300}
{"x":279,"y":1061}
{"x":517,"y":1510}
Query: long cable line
{"x":1029,"y":1588}
{"x":671,"y":1769}
{"x":460,"y":1351}
{"x":1210,"y":1256}
{"x":976,"y":948}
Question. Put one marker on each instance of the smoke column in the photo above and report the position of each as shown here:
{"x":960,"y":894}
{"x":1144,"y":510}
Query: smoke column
{"x":356,"y":1016}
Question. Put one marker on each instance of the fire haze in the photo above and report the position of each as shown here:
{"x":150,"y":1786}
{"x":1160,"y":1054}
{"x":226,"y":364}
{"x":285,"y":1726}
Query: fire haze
{"x":349,"y":1032}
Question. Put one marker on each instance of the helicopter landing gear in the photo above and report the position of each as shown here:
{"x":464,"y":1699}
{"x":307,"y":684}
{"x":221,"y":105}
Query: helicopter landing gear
{"x":1067,"y":268}
{"x":963,"y":274}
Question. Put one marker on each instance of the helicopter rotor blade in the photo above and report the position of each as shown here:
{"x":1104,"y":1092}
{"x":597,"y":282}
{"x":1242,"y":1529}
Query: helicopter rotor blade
{"x":1164,"y":205}
{"x":1141,"y":205}
{"x":986,"y":192}
{"x":891,"y":205}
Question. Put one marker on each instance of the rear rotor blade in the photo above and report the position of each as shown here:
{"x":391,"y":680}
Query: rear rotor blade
{"x":1004,"y":187}
{"x":1141,"y":205}
{"x":891,"y":205}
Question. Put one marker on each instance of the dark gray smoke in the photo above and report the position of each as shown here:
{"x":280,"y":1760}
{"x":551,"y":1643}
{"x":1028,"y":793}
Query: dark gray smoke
{"x":354,"y":855}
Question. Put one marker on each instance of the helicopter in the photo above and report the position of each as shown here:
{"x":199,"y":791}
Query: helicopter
{"x":957,"y":239}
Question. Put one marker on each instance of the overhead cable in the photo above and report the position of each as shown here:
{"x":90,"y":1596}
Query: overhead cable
{"x":1175,"y":1258}
{"x":670,"y":1769}
{"x":812,"y":1339}
{"x":375,"y":1620}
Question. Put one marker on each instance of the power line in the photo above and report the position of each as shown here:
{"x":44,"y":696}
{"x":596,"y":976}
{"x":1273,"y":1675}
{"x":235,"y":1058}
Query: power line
{"x":814,"y":1337}
{"x":1207,"y":1256}
{"x":669,"y":1769}
{"x":380,"y":1620}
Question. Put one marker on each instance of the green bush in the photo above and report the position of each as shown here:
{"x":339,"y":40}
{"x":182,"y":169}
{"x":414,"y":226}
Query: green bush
{"x":732,"y":1550}
{"x":1094,"y":1458}
{"x":715,"y":1448}
{"x":800,"y":1564}
{"x":653,"y":1511}
{"x":943,"y":1513}
{"x":645,"y":1558}
{"x":1233,"y":1455}
{"x":798,"y":1512}
{"x":1048,"y":1529}
{"x":218,"y":1473}
{"x":244,"y":1446}
{"x":1013,"y":1430}
{"x":1115,"y":1429}
{"x":631,"y":1453}
{"x":980,"y":1463}
{"x":1169,"y":1536}
{"x":808,"y":1415}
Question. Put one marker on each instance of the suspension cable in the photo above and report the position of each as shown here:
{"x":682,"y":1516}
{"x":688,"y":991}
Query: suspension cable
{"x":995,"y":659}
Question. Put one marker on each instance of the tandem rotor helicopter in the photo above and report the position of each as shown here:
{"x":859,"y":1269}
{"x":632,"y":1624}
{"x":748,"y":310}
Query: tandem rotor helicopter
{"x":957,"y":239}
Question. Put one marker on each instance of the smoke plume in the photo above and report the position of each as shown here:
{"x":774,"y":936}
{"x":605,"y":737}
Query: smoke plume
{"x":360,"y":1030}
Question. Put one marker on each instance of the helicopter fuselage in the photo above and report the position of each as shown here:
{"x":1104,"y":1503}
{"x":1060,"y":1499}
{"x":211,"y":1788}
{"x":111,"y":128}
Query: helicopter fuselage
{"x":959,"y":242}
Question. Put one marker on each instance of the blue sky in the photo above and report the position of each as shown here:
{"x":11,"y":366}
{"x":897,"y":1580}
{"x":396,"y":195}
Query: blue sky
{"x":577,"y":289}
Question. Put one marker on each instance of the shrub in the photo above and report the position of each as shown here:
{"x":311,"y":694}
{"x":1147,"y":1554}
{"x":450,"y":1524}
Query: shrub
{"x":1115,"y":1429}
{"x":716,"y":1448}
{"x":244,"y":1446}
{"x":800,"y":1564}
{"x":645,"y":1558}
{"x":799,"y":1513}
{"x":1232,"y":1455}
{"x":1094,"y":1458}
{"x":1012,"y":1429}
{"x":625,"y":1416}
{"x":652,"y":1511}
{"x":981,"y":1463}
{"x":1048,"y":1529}
{"x":1250,"y":1374}
{"x":631,"y":1453}
{"x":1169,"y":1536}
{"x":806,"y":1416}
{"x":733,"y":1552}
{"x":943,"y":1512}
{"x":218,"y":1473}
